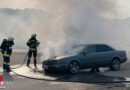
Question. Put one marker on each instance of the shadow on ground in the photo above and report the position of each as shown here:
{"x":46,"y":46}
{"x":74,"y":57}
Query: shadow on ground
{"x":85,"y":77}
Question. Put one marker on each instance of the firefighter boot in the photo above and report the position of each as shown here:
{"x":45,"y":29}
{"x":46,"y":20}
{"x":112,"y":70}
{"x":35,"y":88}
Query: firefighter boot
{"x":8,"y":68}
{"x":35,"y":63}
{"x":28,"y":62}
{"x":4,"y":67}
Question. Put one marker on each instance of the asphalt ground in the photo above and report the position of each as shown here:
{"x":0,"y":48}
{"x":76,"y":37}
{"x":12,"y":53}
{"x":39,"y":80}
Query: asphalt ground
{"x":63,"y":81}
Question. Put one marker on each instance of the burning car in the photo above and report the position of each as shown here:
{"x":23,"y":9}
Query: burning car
{"x":87,"y":56}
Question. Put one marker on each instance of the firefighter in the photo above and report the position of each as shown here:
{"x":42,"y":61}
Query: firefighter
{"x":6,"y":49}
{"x":32,"y":43}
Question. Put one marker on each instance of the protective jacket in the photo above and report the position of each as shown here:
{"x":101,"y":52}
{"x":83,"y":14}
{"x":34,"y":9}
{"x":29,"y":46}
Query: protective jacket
{"x":33,"y":43}
{"x":6,"y":47}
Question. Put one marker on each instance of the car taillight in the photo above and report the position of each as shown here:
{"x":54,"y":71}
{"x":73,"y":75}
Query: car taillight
{"x":125,"y":54}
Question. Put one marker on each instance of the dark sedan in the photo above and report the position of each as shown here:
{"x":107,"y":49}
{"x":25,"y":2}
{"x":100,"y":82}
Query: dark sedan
{"x":87,"y":56}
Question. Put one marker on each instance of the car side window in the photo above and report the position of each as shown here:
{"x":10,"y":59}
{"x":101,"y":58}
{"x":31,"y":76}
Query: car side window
{"x":91,"y":49}
{"x":103,"y":48}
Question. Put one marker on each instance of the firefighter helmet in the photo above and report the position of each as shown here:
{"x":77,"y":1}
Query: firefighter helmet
{"x":10,"y":38}
{"x":33,"y":35}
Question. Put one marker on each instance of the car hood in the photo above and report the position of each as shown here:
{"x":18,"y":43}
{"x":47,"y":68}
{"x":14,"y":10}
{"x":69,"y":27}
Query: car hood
{"x":61,"y":57}
{"x":64,"y":56}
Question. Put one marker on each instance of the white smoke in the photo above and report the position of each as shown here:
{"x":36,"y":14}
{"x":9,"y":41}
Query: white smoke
{"x":60,"y":24}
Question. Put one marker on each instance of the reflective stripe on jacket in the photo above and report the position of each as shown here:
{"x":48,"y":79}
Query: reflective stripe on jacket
{"x":5,"y":54}
{"x":8,"y":63}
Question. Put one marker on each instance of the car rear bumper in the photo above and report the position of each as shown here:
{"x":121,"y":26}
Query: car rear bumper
{"x":124,"y":59}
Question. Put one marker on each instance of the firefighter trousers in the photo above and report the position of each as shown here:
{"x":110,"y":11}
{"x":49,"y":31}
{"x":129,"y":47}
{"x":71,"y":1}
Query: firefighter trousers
{"x":30,"y":55}
{"x":6,"y":63}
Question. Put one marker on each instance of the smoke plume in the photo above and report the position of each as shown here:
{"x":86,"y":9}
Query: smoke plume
{"x":60,"y":24}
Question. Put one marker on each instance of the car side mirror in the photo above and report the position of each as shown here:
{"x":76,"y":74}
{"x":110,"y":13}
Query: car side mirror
{"x":85,"y":53}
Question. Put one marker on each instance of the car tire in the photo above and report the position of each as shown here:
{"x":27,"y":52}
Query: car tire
{"x":73,"y":67}
{"x":115,"y":64}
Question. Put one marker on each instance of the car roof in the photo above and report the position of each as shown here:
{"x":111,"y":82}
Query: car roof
{"x":92,"y":45}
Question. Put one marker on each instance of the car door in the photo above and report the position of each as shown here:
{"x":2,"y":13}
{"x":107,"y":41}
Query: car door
{"x":89,"y":58}
{"x":103,"y":54}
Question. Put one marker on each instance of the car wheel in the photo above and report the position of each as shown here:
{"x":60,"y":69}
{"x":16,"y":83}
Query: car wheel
{"x":115,"y":65}
{"x":73,"y":67}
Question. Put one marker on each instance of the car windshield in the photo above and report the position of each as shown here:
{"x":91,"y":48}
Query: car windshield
{"x":78,"y":49}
